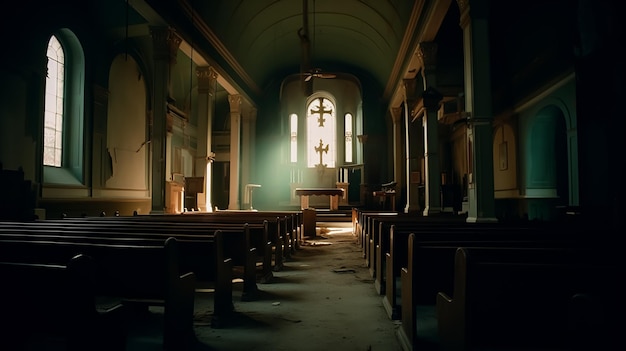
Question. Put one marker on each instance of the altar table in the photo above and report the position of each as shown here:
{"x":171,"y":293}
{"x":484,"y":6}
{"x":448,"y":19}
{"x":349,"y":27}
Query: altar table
{"x":333,"y":193}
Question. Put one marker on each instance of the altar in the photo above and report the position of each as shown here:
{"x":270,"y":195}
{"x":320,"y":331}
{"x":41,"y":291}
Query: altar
{"x":333,"y":193}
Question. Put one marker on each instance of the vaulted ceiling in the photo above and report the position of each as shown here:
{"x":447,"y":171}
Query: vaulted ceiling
{"x":263,"y":36}
{"x":257,"y":43}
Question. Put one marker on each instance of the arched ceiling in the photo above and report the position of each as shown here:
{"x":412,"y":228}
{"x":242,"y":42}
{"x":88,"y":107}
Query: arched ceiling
{"x":255,"y":44}
{"x":348,"y":35}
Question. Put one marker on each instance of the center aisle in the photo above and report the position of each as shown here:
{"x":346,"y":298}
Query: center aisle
{"x":323,"y":299}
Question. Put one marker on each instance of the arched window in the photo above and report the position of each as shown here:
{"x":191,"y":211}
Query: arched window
{"x":293,"y":141}
{"x":53,"y":117}
{"x":321,"y":136}
{"x":348,"y":137}
{"x":64,"y":105}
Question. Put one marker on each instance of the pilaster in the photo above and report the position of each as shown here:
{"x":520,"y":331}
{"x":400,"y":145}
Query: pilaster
{"x":427,"y":53}
{"x":480,"y":192}
{"x":165,"y":42}
{"x":248,"y":127}
{"x":207,"y":78}
{"x":234,"y":102}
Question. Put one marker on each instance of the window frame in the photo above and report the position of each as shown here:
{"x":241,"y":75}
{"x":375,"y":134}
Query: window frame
{"x":71,"y":171}
{"x":331,"y":126}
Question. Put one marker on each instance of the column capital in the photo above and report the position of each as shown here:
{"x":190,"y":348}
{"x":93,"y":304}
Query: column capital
{"x":464,"y":11}
{"x":427,"y":53}
{"x":235,"y":102}
{"x":166,"y":43}
{"x":463,"y":5}
{"x":206,"y":77}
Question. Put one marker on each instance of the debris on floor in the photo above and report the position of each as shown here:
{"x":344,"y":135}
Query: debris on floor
{"x":344,"y":270}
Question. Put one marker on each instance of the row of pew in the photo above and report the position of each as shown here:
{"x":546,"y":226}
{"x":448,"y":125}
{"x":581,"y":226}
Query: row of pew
{"x":113,"y":265}
{"x":455,"y":285}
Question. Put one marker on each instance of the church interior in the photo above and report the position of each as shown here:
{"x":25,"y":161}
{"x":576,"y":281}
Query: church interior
{"x":481,"y":112}
{"x":468,"y":108}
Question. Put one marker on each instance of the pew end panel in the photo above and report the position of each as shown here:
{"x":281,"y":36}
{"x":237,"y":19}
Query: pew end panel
{"x":512,"y":297}
{"x":65,"y":312}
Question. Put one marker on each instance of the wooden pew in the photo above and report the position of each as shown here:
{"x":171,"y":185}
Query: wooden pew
{"x":491,"y":234}
{"x":283,"y":226}
{"x":260,"y":233}
{"x":293,"y":221}
{"x":521,"y":297}
{"x":203,"y":255}
{"x":381,"y":243}
{"x":44,"y":303}
{"x":237,"y":241}
{"x":287,"y":226}
{"x":364,"y":226}
{"x":379,"y":230}
{"x":429,"y":270}
{"x":140,"y":275}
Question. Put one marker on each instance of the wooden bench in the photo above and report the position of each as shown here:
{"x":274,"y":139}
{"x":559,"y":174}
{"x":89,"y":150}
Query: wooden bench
{"x":520,"y":298}
{"x":429,"y":270}
{"x":286,"y":227}
{"x":140,"y":275}
{"x":44,"y":303}
{"x":293,"y":222}
{"x":238,"y":242}
{"x":283,"y":226}
{"x":380,"y":244}
{"x":475,"y":234}
{"x":363,"y":222}
{"x":381,"y":224}
{"x":260,"y":235}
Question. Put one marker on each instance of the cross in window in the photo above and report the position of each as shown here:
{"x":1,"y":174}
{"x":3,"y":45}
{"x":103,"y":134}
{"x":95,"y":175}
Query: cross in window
{"x":321,"y":112}
{"x":321,"y":151}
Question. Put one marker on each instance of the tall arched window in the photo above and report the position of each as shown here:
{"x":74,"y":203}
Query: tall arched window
{"x":321,"y":136}
{"x":293,"y":143}
{"x":348,"y":137}
{"x":53,"y":117}
{"x":63,"y":148}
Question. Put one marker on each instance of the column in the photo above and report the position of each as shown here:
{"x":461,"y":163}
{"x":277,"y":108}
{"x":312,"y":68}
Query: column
{"x":248,"y":127}
{"x":398,"y":143}
{"x":480,"y":188}
{"x":431,"y":98}
{"x":165,"y":42}
{"x":207,"y":78}
{"x":101,"y":168}
{"x":235,"y":158}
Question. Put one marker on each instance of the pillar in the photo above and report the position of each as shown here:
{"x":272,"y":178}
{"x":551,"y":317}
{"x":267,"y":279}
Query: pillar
{"x":431,"y":98}
{"x":235,"y":157}
{"x":398,"y":142}
{"x":480,"y":188}
{"x":165,"y":42}
{"x":248,"y":128}
{"x":207,"y":78}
